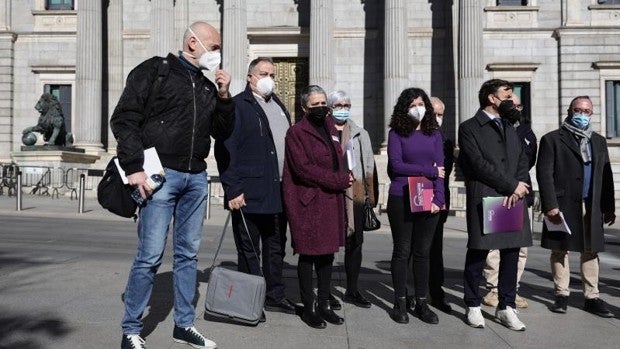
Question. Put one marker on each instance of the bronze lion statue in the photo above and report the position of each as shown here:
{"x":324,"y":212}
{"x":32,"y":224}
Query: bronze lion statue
{"x":51,"y":123}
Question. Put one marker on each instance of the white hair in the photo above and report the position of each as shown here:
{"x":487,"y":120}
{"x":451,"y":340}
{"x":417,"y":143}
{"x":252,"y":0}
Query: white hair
{"x":337,"y":96}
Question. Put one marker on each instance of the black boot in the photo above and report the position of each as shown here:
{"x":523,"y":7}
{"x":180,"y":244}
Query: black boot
{"x":399,"y":313}
{"x":311,"y":317}
{"x":328,"y":314}
{"x":422,"y":311}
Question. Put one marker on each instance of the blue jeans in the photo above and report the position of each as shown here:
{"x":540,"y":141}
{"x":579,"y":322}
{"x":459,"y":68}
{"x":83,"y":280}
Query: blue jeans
{"x":182,"y":196}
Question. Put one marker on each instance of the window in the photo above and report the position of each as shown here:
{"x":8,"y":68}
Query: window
{"x":612,"y":108}
{"x":609,"y":2}
{"x":522,"y":90}
{"x":59,"y":4}
{"x":512,"y":2}
{"x":63,"y":93}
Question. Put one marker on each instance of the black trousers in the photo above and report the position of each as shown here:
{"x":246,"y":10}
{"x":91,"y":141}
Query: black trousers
{"x":352,"y":262}
{"x":323,"y":267}
{"x":412,"y":235}
{"x":436,"y":268}
{"x":506,"y":284}
{"x":270,"y":229}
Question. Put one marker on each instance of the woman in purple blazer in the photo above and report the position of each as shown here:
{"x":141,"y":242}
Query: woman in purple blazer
{"x":315,"y":179}
{"x":415,"y":148}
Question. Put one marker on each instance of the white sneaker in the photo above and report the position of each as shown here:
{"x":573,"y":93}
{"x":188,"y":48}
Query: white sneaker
{"x":191,"y":336}
{"x":474,"y":317}
{"x":508,"y":317}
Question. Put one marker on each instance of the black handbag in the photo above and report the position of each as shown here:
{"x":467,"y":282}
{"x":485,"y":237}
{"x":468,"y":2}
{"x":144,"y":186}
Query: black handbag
{"x":114,"y":195}
{"x":369,"y":219}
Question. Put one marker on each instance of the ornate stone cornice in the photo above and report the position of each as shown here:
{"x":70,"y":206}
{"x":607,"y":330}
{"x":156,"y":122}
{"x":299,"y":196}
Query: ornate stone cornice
{"x":521,"y":66}
{"x":606,"y":65}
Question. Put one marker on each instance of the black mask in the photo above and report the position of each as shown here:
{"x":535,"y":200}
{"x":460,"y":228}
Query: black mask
{"x":508,"y":112}
{"x":317,"y":114}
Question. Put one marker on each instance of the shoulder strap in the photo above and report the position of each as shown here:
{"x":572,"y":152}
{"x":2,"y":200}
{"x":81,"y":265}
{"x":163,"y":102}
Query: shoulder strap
{"x":363,"y":167}
{"x":163,"y":68}
{"x":219,"y":246}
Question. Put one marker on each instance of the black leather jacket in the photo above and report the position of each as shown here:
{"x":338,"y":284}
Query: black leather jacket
{"x":186,"y":111}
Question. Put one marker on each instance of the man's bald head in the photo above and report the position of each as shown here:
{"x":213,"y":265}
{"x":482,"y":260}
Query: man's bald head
{"x":206,"y":33}
{"x":438,"y":107}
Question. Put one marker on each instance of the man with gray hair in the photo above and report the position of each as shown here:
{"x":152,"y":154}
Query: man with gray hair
{"x":250,"y":164}
{"x":177,"y":118}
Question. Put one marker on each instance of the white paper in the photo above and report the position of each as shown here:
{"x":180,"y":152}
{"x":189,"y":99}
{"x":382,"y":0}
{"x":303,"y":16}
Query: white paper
{"x":563,"y":227}
{"x":151,"y":166}
{"x":350,"y":155}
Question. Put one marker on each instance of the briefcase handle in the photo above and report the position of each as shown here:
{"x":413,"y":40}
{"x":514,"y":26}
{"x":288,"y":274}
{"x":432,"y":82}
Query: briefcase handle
{"x":219,"y":246}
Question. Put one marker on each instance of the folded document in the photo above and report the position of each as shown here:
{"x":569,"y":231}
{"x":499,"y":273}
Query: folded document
{"x":151,"y":166}
{"x":563,"y":226}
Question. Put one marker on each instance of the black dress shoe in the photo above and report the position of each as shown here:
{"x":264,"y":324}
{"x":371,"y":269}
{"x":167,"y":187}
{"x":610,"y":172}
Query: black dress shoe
{"x":560,"y":305}
{"x":399,"y":312}
{"x":425,"y":313}
{"x":598,"y":307}
{"x":357,"y":299}
{"x":410,"y":302}
{"x":334,"y":303}
{"x":442,"y":305}
{"x":328,"y":314}
{"x":283,"y":306}
{"x":312,"y":318}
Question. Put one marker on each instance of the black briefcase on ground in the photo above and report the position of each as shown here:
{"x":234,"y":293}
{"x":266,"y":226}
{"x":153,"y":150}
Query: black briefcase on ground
{"x":234,"y":296}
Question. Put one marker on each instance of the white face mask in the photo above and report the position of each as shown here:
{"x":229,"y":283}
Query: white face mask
{"x":439,"y":120}
{"x":209,"y":60}
{"x":265,"y":86}
{"x":417,"y":112}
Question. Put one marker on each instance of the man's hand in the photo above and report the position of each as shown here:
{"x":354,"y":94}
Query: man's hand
{"x":138,"y":180}
{"x":434,"y":208}
{"x":554,"y":216}
{"x":237,"y":203}
{"x":521,"y":190}
{"x":222,"y":79}
{"x":609,"y":218}
{"x":351,"y":178}
{"x":510,"y":201}
{"x":441,"y":171}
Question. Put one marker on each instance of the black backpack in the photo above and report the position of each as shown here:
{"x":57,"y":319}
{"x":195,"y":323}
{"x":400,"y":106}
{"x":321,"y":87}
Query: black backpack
{"x":112,"y":193}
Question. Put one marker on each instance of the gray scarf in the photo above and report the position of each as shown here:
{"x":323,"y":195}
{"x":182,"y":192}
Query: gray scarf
{"x":583,"y":137}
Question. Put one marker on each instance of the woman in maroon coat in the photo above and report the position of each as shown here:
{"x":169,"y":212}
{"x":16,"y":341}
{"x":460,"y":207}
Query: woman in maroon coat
{"x":315,"y":179}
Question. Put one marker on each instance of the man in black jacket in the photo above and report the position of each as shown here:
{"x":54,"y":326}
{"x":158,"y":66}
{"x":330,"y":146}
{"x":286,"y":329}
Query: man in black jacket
{"x":177,"y":115}
{"x":575,"y":179}
{"x":250,"y":164}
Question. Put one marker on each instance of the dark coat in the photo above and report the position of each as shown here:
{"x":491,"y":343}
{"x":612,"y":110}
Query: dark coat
{"x":313,"y":191}
{"x":185,"y":113}
{"x":493,"y":165}
{"x":247,"y":160}
{"x":560,"y":180}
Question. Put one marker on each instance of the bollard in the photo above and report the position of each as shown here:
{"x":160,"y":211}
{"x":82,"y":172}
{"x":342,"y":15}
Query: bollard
{"x":81,"y":189}
{"x":18,"y":194}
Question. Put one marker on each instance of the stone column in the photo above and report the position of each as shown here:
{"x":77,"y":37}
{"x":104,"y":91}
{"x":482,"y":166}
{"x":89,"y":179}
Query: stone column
{"x":395,"y":57}
{"x":162,"y":27}
{"x":5,"y":15}
{"x":321,"y":37}
{"x":573,"y":12}
{"x":115,"y":63}
{"x":470,"y":64}
{"x":88,"y":79}
{"x":235,"y":43}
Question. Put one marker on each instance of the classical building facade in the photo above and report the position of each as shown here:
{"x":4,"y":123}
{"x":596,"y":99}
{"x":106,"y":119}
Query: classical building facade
{"x":82,"y":51}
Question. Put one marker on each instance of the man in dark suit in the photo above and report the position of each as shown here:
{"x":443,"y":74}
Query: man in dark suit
{"x":250,"y":164}
{"x":575,"y":179}
{"x":494,"y":165}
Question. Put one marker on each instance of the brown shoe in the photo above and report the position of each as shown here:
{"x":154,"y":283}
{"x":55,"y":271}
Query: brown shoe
{"x":520,"y":302}
{"x":491,"y":299}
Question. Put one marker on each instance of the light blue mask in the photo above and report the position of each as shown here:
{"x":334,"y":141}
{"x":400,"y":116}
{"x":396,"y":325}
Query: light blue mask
{"x":341,"y":115}
{"x":580,"y":120}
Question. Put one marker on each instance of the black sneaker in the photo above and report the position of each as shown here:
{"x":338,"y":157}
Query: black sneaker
{"x":191,"y":336}
{"x":560,"y":305}
{"x":598,"y":307}
{"x":132,"y":341}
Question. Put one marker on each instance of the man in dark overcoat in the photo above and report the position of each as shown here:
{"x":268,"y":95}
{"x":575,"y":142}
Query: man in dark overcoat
{"x":251,"y":163}
{"x":494,"y":165}
{"x":575,"y":178}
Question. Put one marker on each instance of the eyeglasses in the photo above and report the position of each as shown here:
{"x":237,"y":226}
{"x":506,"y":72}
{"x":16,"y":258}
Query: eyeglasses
{"x":341,"y":106}
{"x":582,"y":111}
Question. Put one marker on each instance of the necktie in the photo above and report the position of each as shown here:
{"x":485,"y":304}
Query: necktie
{"x":500,"y":125}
